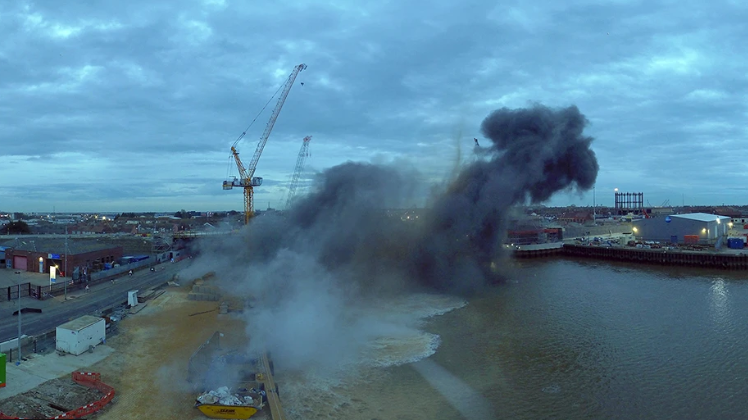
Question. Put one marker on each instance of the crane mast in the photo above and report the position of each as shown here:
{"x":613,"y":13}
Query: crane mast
{"x":247,"y":179}
{"x":303,"y":154}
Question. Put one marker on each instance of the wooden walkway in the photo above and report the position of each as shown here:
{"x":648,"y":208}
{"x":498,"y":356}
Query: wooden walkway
{"x":276,"y":410}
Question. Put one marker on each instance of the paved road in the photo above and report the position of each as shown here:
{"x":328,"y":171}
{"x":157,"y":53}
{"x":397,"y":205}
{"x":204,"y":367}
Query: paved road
{"x":99,"y":297}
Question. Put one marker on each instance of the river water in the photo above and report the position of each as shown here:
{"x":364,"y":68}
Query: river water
{"x":562,"y":339}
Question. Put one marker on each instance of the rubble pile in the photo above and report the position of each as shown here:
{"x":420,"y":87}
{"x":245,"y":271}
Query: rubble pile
{"x":224,"y":396}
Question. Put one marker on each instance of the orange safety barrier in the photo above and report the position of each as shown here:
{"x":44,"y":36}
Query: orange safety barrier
{"x":91,"y":380}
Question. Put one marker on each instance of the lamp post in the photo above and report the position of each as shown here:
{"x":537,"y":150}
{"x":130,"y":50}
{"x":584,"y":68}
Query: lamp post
{"x":67,"y":254}
{"x":18,"y":362}
{"x":594,"y":207}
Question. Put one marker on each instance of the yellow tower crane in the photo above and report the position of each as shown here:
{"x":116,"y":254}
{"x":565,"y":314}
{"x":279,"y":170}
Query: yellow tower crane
{"x":247,"y":179}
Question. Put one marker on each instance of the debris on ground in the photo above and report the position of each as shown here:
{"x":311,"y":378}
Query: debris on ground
{"x":203,"y":312}
{"x":50,"y":399}
{"x":136,"y":309}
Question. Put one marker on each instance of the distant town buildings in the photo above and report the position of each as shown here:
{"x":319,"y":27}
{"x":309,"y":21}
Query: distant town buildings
{"x":123,"y":223}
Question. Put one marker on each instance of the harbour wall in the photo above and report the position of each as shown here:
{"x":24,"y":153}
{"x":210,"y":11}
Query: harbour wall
{"x":706,"y":259}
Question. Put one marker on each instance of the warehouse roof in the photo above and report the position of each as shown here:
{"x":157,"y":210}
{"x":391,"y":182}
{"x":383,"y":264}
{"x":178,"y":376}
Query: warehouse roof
{"x":701,"y":217}
{"x":56,"y":245}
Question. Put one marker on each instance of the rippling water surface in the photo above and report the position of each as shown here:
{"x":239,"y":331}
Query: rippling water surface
{"x":575,"y":339}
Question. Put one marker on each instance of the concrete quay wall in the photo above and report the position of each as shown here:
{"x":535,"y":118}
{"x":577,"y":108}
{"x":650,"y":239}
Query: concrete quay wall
{"x":707,"y":259}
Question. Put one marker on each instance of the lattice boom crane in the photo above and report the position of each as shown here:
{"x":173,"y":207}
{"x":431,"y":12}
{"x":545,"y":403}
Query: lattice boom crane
{"x":303,"y":154}
{"x":247,"y":179}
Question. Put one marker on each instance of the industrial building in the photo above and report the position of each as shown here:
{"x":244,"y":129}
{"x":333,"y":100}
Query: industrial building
{"x":700,"y":228}
{"x":39,"y":254}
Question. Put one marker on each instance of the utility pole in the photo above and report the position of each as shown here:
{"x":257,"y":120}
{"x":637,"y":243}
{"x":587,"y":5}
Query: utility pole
{"x":594,"y":208}
{"x":19,"y":324}
{"x":18,"y":362}
{"x":67,"y":255}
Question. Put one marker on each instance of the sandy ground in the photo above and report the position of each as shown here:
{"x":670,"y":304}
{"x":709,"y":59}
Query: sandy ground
{"x":149,"y":368}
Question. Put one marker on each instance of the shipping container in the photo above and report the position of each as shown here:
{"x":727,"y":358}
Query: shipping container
{"x":81,"y":334}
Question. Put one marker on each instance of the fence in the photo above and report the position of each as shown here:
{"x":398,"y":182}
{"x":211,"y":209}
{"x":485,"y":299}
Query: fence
{"x":58,"y":288}
{"x":105,"y":274}
{"x":12,"y":292}
{"x":43,"y":343}
{"x":93,"y":278}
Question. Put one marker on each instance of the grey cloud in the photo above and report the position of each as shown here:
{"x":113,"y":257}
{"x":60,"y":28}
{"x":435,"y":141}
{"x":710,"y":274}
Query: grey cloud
{"x":401,"y":74}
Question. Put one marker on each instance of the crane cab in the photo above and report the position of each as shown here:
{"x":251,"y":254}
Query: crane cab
{"x":256,"y":181}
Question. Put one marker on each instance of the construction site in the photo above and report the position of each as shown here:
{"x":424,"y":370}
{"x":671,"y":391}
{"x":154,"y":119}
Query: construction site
{"x":165,"y":352}
{"x":154,"y":362}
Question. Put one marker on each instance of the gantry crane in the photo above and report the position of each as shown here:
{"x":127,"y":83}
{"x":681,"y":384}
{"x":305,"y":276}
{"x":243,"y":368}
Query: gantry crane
{"x":247,"y":179}
{"x":303,"y":154}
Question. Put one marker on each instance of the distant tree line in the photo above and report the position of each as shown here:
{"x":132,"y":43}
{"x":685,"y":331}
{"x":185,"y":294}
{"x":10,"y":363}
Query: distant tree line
{"x":126,"y":216}
{"x":182,"y":214}
{"x":15,"y":228}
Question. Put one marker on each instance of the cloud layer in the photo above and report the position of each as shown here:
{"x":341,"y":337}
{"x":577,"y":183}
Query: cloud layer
{"x":133,"y":107}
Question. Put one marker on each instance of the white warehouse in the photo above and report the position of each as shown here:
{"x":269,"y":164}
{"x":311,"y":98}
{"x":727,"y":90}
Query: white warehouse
{"x":706,"y":228}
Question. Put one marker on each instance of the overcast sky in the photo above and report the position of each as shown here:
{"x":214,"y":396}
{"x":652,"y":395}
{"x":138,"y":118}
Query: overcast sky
{"x":133,"y":106}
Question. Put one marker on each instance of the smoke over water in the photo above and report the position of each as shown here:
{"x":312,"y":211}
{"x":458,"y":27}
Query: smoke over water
{"x":324,"y":274}
{"x":534,"y":153}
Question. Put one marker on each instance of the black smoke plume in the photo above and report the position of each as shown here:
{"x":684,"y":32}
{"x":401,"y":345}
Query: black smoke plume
{"x":534,"y":153}
{"x":315,"y":265}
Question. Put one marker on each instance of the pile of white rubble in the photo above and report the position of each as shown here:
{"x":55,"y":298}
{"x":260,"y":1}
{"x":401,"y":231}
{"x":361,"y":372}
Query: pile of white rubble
{"x":224,"y":396}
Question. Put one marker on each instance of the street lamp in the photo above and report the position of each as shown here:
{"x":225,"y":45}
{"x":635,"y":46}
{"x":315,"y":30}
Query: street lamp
{"x":18,"y":362}
{"x":67,"y":255}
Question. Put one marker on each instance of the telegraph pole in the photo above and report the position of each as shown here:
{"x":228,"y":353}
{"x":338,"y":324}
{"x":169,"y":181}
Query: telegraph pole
{"x":594,"y":208}
{"x":18,"y":362}
{"x":19,"y":323}
{"x":67,"y":255}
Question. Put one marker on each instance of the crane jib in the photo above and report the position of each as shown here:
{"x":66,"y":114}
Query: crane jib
{"x":248,"y":180}
{"x":273,"y":117}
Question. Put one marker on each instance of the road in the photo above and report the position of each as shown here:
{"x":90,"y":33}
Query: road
{"x":99,"y":297}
